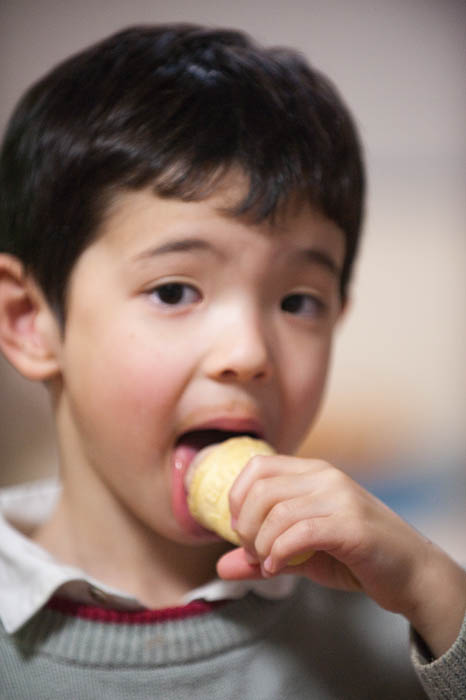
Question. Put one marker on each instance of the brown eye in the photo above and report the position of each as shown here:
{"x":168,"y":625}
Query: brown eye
{"x":175,"y":294}
{"x":305,"y":305}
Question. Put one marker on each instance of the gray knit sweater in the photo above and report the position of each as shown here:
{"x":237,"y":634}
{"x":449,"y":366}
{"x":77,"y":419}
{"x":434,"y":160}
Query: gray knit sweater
{"x":318,"y":644}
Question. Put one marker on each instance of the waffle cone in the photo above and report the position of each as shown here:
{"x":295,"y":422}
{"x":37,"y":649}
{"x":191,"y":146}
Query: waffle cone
{"x":212,"y":480}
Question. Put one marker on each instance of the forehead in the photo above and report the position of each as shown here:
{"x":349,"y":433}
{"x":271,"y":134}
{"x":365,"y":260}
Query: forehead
{"x":138,"y":218}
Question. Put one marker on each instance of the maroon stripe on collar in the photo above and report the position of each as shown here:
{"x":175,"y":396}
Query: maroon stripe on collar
{"x":132,"y":617}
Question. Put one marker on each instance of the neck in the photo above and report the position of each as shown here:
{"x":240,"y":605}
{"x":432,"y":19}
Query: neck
{"x":93,"y":530}
{"x":156,"y":571}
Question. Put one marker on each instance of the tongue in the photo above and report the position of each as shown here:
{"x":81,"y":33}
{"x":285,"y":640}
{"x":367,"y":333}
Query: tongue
{"x":184,"y":455}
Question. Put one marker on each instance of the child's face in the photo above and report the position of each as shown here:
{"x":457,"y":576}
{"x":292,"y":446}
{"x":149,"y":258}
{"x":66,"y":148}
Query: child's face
{"x":181,"y":319}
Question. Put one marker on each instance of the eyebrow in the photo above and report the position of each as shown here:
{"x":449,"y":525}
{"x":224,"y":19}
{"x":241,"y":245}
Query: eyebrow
{"x":184,"y":245}
{"x":320,"y":257}
{"x":187,"y":245}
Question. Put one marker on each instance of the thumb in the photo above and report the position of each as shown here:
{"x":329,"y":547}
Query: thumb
{"x":234,"y":566}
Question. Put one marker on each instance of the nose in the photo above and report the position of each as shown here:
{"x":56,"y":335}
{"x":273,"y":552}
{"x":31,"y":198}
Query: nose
{"x":240,"y":352}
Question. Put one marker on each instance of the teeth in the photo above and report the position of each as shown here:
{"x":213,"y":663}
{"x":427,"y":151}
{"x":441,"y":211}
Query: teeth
{"x":210,"y":478}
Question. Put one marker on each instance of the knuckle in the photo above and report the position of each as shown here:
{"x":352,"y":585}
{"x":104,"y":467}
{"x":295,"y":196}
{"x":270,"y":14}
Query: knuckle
{"x":336,"y":478}
{"x":255,"y":464}
{"x":280,"y":512}
{"x":258,"y":489}
{"x":307,"y":528}
{"x":339,"y":485}
{"x":322,"y":465}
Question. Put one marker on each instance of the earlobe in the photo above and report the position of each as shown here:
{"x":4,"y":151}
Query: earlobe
{"x":29,"y":332}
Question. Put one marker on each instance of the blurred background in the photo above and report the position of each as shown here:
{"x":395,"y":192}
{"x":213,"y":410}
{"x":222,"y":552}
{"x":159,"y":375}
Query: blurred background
{"x":394,"y":416}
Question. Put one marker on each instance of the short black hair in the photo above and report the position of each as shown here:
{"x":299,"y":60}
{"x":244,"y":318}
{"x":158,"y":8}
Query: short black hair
{"x":175,"y":107}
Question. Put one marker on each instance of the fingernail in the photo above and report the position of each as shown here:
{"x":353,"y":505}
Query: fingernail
{"x":268,"y":567}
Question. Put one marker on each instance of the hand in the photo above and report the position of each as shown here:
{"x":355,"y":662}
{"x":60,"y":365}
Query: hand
{"x":284,"y":506}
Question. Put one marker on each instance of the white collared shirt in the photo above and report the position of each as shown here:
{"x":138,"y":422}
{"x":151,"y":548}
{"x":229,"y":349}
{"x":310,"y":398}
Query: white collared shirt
{"x":30,"y":576}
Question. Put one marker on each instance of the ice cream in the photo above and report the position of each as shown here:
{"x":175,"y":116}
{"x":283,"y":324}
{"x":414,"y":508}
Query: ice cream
{"x":211,"y":478}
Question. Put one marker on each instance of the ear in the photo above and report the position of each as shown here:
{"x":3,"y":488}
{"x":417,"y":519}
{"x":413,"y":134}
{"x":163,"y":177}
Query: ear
{"x":29,"y":331}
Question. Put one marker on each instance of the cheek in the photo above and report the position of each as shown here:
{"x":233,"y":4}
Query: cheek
{"x":123,"y":389}
{"x":304,"y":393}
{"x":142,"y":386}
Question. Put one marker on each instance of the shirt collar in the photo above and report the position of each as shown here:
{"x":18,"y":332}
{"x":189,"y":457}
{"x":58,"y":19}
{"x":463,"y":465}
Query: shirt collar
{"x":29,"y":575}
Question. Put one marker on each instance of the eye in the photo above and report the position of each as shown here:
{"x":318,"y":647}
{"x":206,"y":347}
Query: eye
{"x":302,"y":304}
{"x":175,"y":294}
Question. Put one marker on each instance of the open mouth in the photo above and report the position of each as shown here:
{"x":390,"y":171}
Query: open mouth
{"x":198,"y":439}
{"x":187,"y":447}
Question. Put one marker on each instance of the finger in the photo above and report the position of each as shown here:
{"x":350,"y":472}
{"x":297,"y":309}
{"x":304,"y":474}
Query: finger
{"x":261,"y":467}
{"x":312,"y":498}
{"x":235,"y":566}
{"x":271,"y":505}
{"x":325,"y":570}
{"x":345,"y":537}
{"x":281,"y":518}
{"x":294,"y":541}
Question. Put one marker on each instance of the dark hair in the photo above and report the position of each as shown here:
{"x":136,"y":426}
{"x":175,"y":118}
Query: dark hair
{"x":173,"y":106}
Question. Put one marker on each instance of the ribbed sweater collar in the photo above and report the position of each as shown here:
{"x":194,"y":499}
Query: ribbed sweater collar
{"x":128,"y":644}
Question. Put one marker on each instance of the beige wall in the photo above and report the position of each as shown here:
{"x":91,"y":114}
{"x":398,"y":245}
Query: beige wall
{"x":398,"y":386}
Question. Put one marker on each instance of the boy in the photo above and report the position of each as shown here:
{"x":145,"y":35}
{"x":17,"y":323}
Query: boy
{"x":180,"y":213}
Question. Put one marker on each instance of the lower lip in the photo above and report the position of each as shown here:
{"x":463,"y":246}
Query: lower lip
{"x":182,"y":458}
